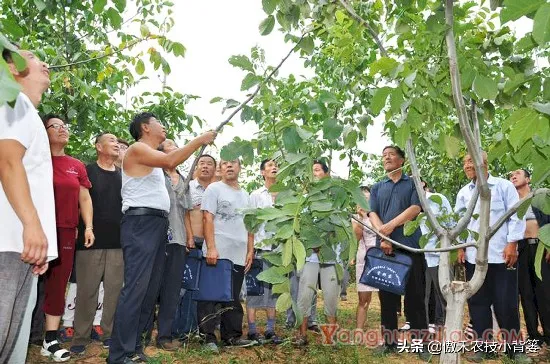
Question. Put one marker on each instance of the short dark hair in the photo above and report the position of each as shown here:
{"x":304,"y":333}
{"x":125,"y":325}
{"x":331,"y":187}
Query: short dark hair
{"x":365,"y":188}
{"x":122,"y":141}
{"x":137,"y":122}
{"x":264,"y":162}
{"x":396,"y":148}
{"x":526,"y":172}
{"x":47,"y":118}
{"x":207,"y":156}
{"x":322,"y":164}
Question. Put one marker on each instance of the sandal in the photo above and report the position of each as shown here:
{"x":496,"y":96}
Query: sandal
{"x":53,"y":350}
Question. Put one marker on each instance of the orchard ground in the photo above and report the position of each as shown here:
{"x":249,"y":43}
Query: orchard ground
{"x":315,"y":352}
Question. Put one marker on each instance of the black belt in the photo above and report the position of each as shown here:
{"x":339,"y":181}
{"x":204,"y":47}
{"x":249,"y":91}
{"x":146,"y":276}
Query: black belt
{"x":530,"y":241}
{"x":145,"y":211}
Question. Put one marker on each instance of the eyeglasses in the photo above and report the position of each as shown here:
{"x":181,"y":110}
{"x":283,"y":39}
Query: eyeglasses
{"x":58,"y":126}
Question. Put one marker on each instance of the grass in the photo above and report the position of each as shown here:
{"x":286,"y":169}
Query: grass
{"x":315,"y":352}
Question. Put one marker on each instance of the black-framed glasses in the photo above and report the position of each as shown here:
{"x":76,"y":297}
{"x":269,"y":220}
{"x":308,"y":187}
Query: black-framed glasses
{"x":58,"y":126}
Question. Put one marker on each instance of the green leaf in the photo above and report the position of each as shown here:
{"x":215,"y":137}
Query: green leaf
{"x":543,"y":108}
{"x":249,"y":81}
{"x":241,"y":62}
{"x":114,"y":17}
{"x":284,"y":302}
{"x":140,"y":67}
{"x":99,"y":5}
{"x":299,"y":252}
{"x":539,"y":255}
{"x":546,"y":89}
{"x":437,"y":199}
{"x":10,"y":89}
{"x":525,"y":128}
{"x":272,"y":276}
{"x":216,"y":99}
{"x":287,"y":250}
{"x":379,"y":99}
{"x":332,"y":129}
{"x":178,"y":49}
{"x":40,"y":5}
{"x":450,"y":144}
{"x":266,"y":26}
{"x":485,"y":87}
{"x":515,"y":9}
{"x":291,"y":139}
{"x":541,"y":25}
{"x":285,"y":232}
{"x":544,"y":235}
{"x":307,"y":45}
{"x":321,"y":206}
{"x":383,"y":65}
{"x":120,"y":5}
{"x":522,"y":209}
{"x":269,"y":213}
{"x":144,"y":30}
{"x":281,"y":287}
{"x":20,"y":61}
{"x":269,"y":6}
{"x":542,"y":202}
{"x":410,"y":227}
{"x":517,"y":117}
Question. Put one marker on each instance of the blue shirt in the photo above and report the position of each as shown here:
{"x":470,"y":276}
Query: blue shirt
{"x":503,"y":197}
{"x":432,"y":259}
{"x":388,"y":200}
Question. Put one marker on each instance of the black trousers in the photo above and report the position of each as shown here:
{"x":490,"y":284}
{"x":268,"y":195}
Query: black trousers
{"x":170,"y":287}
{"x":435,"y":302}
{"x":415,"y":309}
{"x":231,"y":325}
{"x":143,"y":240}
{"x":534,"y":293}
{"x":500,"y":289}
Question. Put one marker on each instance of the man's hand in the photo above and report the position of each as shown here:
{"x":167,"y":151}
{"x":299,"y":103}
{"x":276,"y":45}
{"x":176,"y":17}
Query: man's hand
{"x":208,"y":137}
{"x":386,"y":247}
{"x":35,"y":244}
{"x":387,"y":229}
{"x":212,"y":256}
{"x":40,"y":269}
{"x":461,"y":256}
{"x":248,"y":261}
{"x":89,"y":238}
{"x":190,"y":244}
{"x":510,"y":254}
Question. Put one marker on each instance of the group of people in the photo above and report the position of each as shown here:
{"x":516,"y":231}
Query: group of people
{"x":124,"y":224}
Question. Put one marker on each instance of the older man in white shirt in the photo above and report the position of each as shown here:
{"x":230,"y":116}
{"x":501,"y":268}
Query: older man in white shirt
{"x":500,"y":288}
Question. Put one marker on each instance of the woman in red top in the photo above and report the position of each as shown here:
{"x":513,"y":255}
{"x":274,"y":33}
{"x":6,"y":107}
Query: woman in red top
{"x":71,"y":184}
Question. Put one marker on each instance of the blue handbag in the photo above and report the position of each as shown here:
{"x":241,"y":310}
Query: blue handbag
{"x":255,"y":287}
{"x":192,"y":270}
{"x":215,"y":282}
{"x":386,"y":272}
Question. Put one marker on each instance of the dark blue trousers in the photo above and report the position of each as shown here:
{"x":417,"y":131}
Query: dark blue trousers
{"x":169,"y":297}
{"x":500,"y":289}
{"x":143,"y":241}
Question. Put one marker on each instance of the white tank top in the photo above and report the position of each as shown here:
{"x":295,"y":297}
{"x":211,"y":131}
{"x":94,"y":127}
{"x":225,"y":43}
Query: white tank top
{"x":147,"y":191}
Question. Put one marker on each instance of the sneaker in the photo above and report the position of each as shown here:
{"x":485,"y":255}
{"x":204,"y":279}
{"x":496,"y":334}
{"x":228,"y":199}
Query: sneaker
{"x":97,"y":333}
{"x":300,"y":341}
{"x":169,"y":345}
{"x":211,"y":348}
{"x":314,"y":328}
{"x":255,"y":337}
{"x":431,"y":328}
{"x":106,"y":343}
{"x":384,"y":350}
{"x":134,"y":359}
{"x":54,"y":351}
{"x":272,"y":338}
{"x":77,"y":349}
{"x":65,"y":334}
{"x":238,"y":342}
{"x":406,"y":326}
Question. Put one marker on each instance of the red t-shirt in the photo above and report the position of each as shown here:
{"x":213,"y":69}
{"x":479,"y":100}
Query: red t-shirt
{"x":68,"y":175}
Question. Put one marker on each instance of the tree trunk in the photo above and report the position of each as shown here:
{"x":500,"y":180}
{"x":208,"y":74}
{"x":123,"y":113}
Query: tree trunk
{"x":454,"y":320}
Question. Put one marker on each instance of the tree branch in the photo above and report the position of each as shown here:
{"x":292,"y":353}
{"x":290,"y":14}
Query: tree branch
{"x":465,"y":219}
{"x":243,"y":104}
{"x":475,"y":122}
{"x":408,"y":248}
{"x":513,"y":210}
{"x":104,"y":55}
{"x":363,"y":22}
{"x":438,"y":229}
